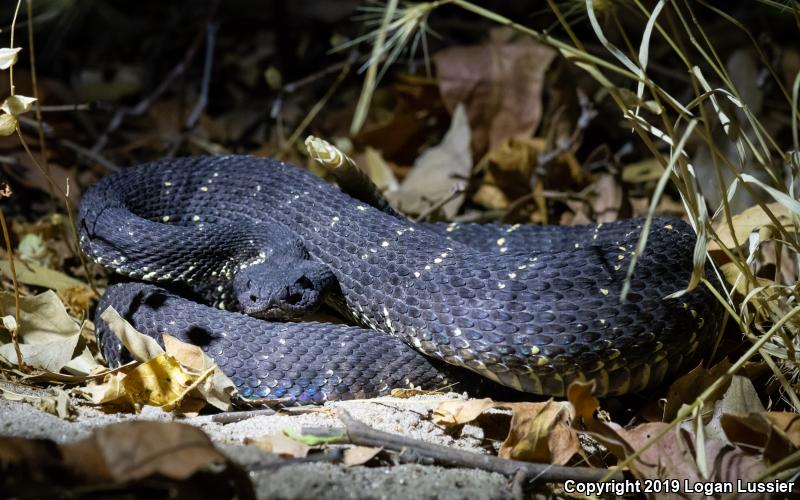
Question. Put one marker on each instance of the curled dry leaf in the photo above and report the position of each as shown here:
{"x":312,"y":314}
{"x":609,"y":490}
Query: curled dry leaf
{"x":439,"y":172}
{"x":48,"y":336}
{"x":182,"y":378}
{"x":17,"y":104}
{"x":8,"y":56}
{"x":753,"y":219}
{"x":500,"y":83}
{"x":538,"y":432}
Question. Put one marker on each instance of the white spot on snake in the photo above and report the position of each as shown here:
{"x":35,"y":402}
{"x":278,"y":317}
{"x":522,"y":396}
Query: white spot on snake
{"x":623,"y":249}
{"x":604,"y":291}
{"x":512,"y":275}
{"x":167,"y":183}
{"x":220,"y":288}
{"x":165,"y":218}
{"x":334,"y":221}
{"x":444,"y":255}
{"x":512,"y":228}
{"x":577,"y":245}
{"x":501,"y":285}
{"x":258,"y":187}
{"x":523,"y":266}
{"x":362,"y":208}
{"x":203,"y":188}
{"x":373,"y":250}
{"x":504,"y":250}
{"x":620,"y":257}
{"x":428,"y":268}
{"x":416,"y":274}
{"x":216,"y":174}
{"x":149,"y":276}
{"x":437,"y":260}
{"x":130,"y":233}
{"x":501,"y":242}
{"x":384,"y":244}
{"x":297,"y":196}
{"x":282,"y":341}
{"x":617,"y":267}
{"x":668,"y":226}
{"x":457,"y":332}
{"x":196,"y":218}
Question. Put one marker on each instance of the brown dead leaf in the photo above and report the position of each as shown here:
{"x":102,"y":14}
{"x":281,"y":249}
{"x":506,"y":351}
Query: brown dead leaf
{"x":610,"y":201}
{"x":141,"y":347}
{"x":216,"y":389}
{"x":741,"y":399}
{"x":454,"y":413}
{"x":281,"y":445}
{"x":509,"y":169}
{"x":538,"y":432}
{"x":359,"y":455}
{"x":689,"y":386}
{"x":750,"y":220}
{"x":500,"y":83}
{"x":139,"y":449}
{"x":541,"y":432}
{"x":439,"y":172}
{"x":674,"y":456}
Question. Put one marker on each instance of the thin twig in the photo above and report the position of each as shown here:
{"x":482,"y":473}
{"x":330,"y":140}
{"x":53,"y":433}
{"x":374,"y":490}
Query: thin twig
{"x":361,"y":434}
{"x":10,"y":252}
{"x":202,"y":100}
{"x":148,"y":101}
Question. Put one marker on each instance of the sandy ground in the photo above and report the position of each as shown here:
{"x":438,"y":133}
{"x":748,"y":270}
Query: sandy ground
{"x":409,"y":417}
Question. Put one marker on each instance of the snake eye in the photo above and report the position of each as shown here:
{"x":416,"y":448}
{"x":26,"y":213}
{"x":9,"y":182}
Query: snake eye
{"x":252,"y":298}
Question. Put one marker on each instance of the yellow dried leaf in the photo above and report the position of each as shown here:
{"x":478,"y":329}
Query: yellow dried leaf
{"x":17,"y":104}
{"x":280,"y":445}
{"x":8,"y":124}
{"x":162,"y":382}
{"x":751,"y":220}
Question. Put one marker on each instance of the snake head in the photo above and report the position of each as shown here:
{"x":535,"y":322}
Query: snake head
{"x":285,"y":291}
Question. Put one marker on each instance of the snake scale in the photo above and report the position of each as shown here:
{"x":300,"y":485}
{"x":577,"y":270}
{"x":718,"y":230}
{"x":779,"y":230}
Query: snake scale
{"x":530,"y":308}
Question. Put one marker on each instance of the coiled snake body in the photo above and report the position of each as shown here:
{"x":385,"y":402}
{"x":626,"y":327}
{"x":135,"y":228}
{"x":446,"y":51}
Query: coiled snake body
{"x":532,"y":309}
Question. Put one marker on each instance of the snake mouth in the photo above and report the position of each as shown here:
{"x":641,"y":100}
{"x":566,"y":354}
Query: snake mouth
{"x":289,"y":302}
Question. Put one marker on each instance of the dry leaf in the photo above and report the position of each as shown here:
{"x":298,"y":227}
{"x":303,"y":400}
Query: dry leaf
{"x":163,"y":382}
{"x":47,"y":334}
{"x":438,"y":172}
{"x":216,"y":389}
{"x":280,"y":445}
{"x":359,"y":455}
{"x":741,"y":398}
{"x":140,"y":449}
{"x":750,"y":220}
{"x":499,"y":83}
{"x":541,"y":432}
{"x":455,"y":413}
{"x":141,"y":347}
{"x":686,"y":389}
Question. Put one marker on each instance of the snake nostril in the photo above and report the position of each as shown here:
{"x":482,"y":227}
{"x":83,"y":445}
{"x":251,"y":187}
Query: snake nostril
{"x":253,"y":298}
